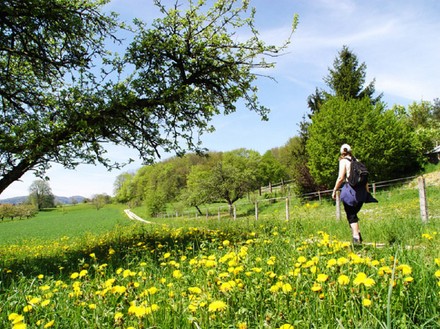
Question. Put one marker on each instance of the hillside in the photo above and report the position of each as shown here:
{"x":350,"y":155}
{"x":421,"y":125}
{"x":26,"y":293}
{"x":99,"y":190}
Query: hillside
{"x":58,"y":199}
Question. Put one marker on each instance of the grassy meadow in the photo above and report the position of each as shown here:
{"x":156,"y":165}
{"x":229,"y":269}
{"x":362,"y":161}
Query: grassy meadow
{"x":78,"y":267}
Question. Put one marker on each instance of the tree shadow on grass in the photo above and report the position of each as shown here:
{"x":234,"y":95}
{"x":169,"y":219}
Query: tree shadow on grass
{"x":119,"y":252}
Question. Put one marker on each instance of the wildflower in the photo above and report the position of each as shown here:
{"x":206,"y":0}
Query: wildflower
{"x":343,"y":280}
{"x":366,"y":302}
{"x":322,"y":277}
{"x":195,"y":290}
{"x":217,"y":306}
{"x":437,"y":261}
{"x":92,"y":306}
{"x":74,"y":275}
{"x":242,"y":325}
{"x":427,"y":236}
{"x":437,"y":274}
{"x":286,"y":326}
{"x":316,"y":287}
{"x":27,"y":308}
{"x":226,"y":243}
{"x":301,"y":259}
{"x":35,"y":300}
{"x":166,"y":255}
{"x":49,"y":324}
{"x":331,"y":262}
{"x":406,"y":269}
{"x":93,"y":255}
{"x":15,"y":318}
{"x":384,"y":270}
{"x":408,"y":279}
{"x":83,"y":273}
{"x":111,"y":251}
{"x":177,"y":274}
{"x":45,"y":302}
{"x":287,"y":288}
{"x":40,"y":276}
{"x":20,"y":325}
{"x":362,"y":278}
{"x":342,"y":261}
{"x":118,"y":316}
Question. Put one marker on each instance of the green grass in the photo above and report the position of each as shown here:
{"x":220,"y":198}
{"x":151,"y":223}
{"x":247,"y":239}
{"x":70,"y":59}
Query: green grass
{"x":81,"y":268}
{"x":70,"y":221}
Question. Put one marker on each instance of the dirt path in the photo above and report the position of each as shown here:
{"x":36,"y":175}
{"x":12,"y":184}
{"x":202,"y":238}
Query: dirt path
{"x":132,"y":215}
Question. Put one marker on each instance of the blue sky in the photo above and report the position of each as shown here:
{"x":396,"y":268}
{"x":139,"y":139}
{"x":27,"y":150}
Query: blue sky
{"x":398,"y":40}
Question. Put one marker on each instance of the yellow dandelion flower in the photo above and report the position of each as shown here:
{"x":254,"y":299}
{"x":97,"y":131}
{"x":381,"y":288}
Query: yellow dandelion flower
{"x":322,"y":277}
{"x":427,"y":236}
{"x":74,"y":275}
{"x":177,"y":274}
{"x":226,"y":243}
{"x":20,"y":325}
{"x":343,"y":280}
{"x":118,"y":316}
{"x":45,"y":302}
{"x":437,"y":274}
{"x":15,"y":317}
{"x":41,"y":276}
{"x":360,"y":278}
{"x":366,"y":302}
{"x":82,"y":274}
{"x":316,"y":287}
{"x":44,"y":288}
{"x":301,"y":259}
{"x":286,"y":326}
{"x":27,"y":308}
{"x":287,"y":288}
{"x":35,"y":300}
{"x":369,"y":282}
{"x":331,"y":262}
{"x":437,"y":261}
{"x":242,"y":325}
{"x":49,"y":324}
{"x":93,"y":255}
{"x":342,"y":261}
{"x":111,"y":251}
{"x":217,"y":306}
{"x":195,"y":290}
{"x":408,"y":279}
{"x":166,"y":255}
{"x":405,"y":269}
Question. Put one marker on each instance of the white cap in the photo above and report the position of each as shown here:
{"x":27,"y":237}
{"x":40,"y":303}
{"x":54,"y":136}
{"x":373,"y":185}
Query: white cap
{"x":345,"y":148}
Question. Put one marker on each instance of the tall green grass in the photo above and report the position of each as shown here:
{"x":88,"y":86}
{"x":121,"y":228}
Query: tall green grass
{"x":211,"y":273}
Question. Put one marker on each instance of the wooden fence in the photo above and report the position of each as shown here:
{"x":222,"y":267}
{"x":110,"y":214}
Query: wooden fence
{"x":284,"y":188}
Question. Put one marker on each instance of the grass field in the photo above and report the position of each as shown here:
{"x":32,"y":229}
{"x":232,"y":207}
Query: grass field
{"x":82,"y":268}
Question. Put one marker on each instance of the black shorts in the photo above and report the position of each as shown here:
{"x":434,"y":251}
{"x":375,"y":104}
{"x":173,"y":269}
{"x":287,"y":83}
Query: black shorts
{"x":352,"y":211}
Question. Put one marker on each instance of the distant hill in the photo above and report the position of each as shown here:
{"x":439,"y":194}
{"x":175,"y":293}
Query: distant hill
{"x":58,"y":199}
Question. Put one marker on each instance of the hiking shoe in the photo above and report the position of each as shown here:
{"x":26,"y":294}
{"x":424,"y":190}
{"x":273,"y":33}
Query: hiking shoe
{"x":357,"y":241}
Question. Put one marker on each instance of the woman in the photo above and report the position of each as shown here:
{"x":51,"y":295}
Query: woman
{"x":352,"y":198}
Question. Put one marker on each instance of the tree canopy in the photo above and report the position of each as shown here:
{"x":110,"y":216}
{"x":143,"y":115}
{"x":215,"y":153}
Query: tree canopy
{"x":185,"y":68}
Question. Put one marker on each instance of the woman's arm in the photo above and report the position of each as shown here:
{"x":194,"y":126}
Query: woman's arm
{"x":341,"y":177}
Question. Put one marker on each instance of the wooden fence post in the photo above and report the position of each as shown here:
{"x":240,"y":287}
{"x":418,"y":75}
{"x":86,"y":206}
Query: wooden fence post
{"x":423,"y":202}
{"x":256,"y":210}
{"x":338,"y":205}
{"x":287,"y":209}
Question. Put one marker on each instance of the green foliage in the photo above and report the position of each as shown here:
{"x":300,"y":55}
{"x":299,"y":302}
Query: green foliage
{"x":346,"y":79}
{"x":17,"y":211}
{"x":182,"y":69}
{"x":378,"y":137}
{"x":40,"y":195}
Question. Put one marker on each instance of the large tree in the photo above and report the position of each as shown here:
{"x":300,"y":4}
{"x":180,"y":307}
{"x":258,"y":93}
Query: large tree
{"x":379,"y":137}
{"x":40,"y":195}
{"x":185,"y":68}
{"x":228,"y":179}
{"x":346,"y":79}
